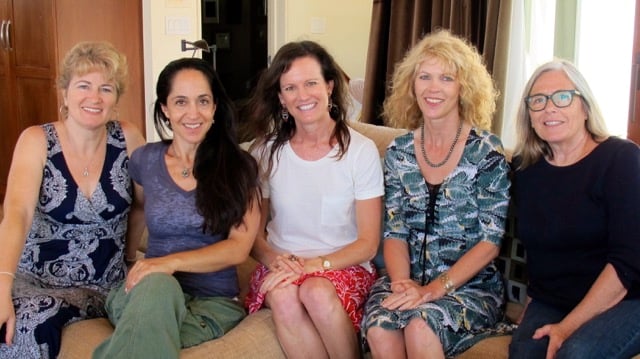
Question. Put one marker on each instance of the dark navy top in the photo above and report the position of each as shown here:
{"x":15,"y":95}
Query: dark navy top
{"x":75,"y":241}
{"x":573,"y":220}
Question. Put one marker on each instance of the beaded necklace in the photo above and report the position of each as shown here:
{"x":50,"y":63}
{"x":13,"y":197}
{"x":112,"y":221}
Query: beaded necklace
{"x":446,"y":158}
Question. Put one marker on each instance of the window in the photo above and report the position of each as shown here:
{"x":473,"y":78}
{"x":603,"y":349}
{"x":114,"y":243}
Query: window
{"x":595,"y":35}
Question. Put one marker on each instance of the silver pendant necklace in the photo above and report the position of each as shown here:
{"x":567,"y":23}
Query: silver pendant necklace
{"x":85,"y":170}
{"x":446,"y":158}
{"x":186,"y":171}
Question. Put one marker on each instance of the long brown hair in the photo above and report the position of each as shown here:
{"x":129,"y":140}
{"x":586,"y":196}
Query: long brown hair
{"x":264,"y":108}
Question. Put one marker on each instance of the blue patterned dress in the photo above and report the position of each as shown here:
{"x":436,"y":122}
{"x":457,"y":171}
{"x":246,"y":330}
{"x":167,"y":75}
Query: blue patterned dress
{"x":470,"y":206}
{"x":74,"y":251}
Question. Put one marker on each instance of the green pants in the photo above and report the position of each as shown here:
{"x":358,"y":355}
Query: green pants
{"x":156,"y":319}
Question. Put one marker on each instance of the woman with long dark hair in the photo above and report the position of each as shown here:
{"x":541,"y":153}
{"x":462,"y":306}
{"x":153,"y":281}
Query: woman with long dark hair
{"x":322,"y":188}
{"x":201,"y":202}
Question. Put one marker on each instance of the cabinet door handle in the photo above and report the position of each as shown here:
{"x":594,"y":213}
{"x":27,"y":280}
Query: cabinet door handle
{"x":2,"y":42}
{"x":7,"y":35}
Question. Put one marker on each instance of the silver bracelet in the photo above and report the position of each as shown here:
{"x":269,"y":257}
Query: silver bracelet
{"x":9,"y":273}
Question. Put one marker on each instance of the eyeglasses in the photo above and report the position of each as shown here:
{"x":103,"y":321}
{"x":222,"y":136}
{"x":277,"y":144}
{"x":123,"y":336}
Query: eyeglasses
{"x":560,"y":98}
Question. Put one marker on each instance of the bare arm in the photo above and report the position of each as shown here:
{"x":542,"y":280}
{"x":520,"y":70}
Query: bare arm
{"x":132,"y":136}
{"x":262,"y":251}
{"x":362,"y":249}
{"x":23,"y":188}
{"x":231,"y":251}
{"x":464,"y":269}
{"x":396,"y":259}
{"x":136,"y":221}
{"x":136,"y":224}
{"x":472,"y":262}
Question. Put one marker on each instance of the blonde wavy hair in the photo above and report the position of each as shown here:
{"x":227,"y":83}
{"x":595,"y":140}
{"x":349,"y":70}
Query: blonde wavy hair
{"x":530,"y":147}
{"x":478,"y":93}
{"x":86,"y":57}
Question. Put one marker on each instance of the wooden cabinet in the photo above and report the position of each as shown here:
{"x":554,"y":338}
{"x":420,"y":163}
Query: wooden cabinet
{"x":34,"y":37}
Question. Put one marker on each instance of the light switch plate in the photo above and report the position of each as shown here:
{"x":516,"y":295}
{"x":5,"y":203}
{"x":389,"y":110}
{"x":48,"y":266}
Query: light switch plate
{"x":177,"y":25}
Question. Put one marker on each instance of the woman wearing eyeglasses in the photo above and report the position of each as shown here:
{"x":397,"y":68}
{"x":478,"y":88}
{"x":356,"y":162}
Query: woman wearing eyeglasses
{"x":577,"y":194}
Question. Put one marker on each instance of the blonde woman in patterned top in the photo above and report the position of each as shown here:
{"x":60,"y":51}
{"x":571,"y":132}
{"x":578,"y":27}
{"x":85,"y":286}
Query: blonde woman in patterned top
{"x":66,"y":209}
{"x":446,"y":198}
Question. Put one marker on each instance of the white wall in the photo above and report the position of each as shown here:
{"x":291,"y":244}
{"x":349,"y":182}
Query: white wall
{"x":342,"y":26}
{"x":165,"y":23}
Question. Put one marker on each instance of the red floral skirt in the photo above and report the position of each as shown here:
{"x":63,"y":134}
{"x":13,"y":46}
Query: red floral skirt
{"x":352,"y":287}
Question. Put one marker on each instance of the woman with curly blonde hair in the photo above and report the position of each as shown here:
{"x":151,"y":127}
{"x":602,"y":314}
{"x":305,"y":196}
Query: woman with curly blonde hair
{"x":446,"y":198}
{"x":477,"y":96}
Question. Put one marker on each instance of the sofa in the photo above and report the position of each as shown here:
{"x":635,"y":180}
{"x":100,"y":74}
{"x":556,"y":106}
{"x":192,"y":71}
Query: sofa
{"x":254,"y":337}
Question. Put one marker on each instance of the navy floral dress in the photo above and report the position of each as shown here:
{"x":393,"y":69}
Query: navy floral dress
{"x":74,"y":251}
{"x":440,"y":225}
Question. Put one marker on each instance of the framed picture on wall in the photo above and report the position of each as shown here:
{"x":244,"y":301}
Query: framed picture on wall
{"x":210,"y":11}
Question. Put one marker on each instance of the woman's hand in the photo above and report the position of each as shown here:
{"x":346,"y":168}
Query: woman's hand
{"x":557,"y":335}
{"x":407,"y":294}
{"x":283,"y":271}
{"x":7,"y":317}
{"x":287,"y":262}
{"x":278,"y":279}
{"x":144,"y":267}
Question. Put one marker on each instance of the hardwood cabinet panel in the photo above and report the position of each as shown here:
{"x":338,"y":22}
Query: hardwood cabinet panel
{"x":40,"y":33}
{"x":119,"y":22}
{"x":33,"y":35}
{"x":7,"y":114}
{"x":35,"y":101}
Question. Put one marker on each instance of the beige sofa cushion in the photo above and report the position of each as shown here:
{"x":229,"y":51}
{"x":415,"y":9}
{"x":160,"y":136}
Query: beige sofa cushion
{"x":254,"y":337}
{"x":380,"y":135}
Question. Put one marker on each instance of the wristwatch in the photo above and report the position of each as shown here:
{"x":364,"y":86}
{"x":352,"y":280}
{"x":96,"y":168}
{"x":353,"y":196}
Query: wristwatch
{"x":326,"y":263}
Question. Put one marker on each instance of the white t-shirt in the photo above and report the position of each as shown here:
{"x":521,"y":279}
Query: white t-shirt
{"x":313,"y":202}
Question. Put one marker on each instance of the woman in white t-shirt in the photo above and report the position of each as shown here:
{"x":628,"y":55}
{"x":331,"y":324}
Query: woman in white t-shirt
{"x":322,"y":185}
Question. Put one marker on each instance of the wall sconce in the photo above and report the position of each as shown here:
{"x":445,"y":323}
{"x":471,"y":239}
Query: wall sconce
{"x":199,"y":45}
{"x":195,"y":46}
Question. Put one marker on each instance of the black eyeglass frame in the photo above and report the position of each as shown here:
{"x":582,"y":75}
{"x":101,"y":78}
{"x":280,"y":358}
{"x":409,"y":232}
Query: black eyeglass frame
{"x":572,"y":93}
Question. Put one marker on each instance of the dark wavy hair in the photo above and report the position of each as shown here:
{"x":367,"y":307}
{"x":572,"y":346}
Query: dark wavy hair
{"x":227,"y":176}
{"x":264,"y":108}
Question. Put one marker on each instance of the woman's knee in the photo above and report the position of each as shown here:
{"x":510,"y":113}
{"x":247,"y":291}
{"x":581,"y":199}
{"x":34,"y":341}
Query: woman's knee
{"x":317,"y":293}
{"x":380,"y":339}
{"x":284,"y":302}
{"x":418,"y":331}
{"x":377,"y":335}
{"x":162,"y":283}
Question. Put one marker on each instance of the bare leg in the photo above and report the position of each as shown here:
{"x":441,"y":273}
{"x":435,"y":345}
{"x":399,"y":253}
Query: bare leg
{"x":386,"y":343}
{"x":295,"y":330}
{"x":421,"y":341}
{"x":319,"y":297}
